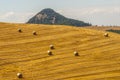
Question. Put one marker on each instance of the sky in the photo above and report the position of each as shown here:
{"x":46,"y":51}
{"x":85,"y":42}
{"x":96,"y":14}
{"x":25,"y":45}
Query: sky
{"x":97,"y":12}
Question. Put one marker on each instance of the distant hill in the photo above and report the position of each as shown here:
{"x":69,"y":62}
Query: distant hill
{"x":49,"y":16}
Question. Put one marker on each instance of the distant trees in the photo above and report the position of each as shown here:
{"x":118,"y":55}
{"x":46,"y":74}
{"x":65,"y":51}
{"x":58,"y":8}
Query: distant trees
{"x":116,"y":31}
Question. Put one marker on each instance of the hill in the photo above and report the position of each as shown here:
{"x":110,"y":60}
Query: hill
{"x":99,"y":56}
{"x":49,"y":16}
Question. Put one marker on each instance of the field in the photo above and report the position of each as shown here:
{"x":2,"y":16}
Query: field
{"x":99,"y":56}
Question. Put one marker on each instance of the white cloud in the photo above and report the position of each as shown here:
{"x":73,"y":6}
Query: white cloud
{"x":6,"y":15}
{"x":91,"y":10}
{"x":15,"y":17}
{"x":95,"y":15}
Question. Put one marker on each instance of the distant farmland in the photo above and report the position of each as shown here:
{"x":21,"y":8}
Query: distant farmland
{"x":107,"y":28}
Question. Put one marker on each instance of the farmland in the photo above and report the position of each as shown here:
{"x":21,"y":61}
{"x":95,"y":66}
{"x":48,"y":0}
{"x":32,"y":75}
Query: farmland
{"x":99,"y":56}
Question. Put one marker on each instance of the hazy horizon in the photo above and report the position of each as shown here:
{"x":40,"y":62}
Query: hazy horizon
{"x":97,"y":12}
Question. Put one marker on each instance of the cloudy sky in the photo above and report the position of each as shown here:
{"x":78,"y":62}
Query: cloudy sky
{"x":97,"y":12}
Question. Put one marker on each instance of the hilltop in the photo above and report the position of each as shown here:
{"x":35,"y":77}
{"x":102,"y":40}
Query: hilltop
{"x":49,"y":16}
{"x":99,"y":56}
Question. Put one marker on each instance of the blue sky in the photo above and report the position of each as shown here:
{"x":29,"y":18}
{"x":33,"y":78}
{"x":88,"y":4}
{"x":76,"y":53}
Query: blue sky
{"x":97,"y":12}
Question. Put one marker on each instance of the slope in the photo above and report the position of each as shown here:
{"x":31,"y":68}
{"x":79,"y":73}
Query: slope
{"x":99,"y":57}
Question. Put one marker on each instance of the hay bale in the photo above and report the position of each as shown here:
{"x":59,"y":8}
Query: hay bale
{"x":34,"y":33}
{"x":106,"y":35}
{"x":50,"y":53}
{"x":51,"y":46}
{"x":76,"y":53}
{"x":19,"y":30}
{"x":19,"y":75}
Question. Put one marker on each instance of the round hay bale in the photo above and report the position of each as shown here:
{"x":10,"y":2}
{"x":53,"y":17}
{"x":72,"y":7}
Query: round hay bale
{"x":76,"y":53}
{"x":106,"y":35}
{"x":19,"y":75}
{"x":19,"y":30}
{"x":51,"y":47}
{"x":34,"y":33}
{"x":50,"y":53}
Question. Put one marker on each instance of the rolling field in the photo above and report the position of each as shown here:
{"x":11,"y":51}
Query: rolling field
{"x":99,"y":56}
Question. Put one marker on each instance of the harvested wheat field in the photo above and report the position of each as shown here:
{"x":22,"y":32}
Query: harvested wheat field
{"x":23,"y":52}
